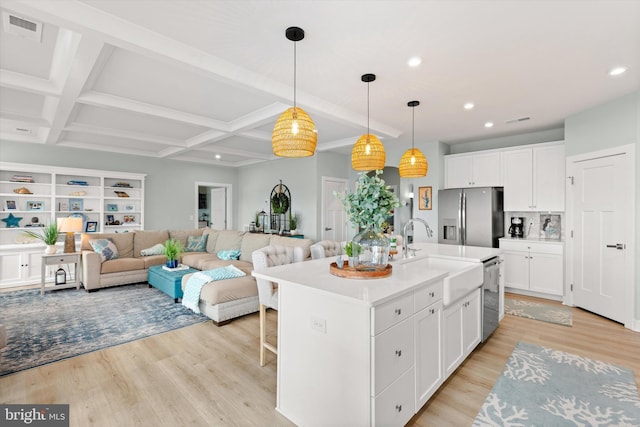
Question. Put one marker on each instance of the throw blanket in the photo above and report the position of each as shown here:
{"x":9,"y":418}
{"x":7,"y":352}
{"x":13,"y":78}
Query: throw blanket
{"x":194,"y":285}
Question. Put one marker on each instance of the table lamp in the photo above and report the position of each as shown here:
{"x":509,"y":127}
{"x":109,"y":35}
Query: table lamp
{"x":70,"y":226}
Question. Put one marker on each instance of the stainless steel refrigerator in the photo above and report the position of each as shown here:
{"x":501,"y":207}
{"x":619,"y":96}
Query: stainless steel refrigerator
{"x":471,"y":216}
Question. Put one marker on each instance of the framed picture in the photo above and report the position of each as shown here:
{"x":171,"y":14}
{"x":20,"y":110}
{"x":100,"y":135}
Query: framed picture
{"x":110,"y":220}
{"x":129,"y":208}
{"x":129,"y":218}
{"x":10,"y":205}
{"x":63,"y":207}
{"x":112,"y":207}
{"x":425,"y":201}
{"x":76,"y":205}
{"x":91,"y":227}
{"x":550,"y":226}
{"x":35,"y":206}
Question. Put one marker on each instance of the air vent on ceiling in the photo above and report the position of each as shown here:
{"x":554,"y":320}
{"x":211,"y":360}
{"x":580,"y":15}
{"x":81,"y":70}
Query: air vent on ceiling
{"x":22,"y":27}
{"x":521,"y":119}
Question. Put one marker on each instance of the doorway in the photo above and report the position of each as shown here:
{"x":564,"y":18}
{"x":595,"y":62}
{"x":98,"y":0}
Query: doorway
{"x":213,"y":205}
{"x":333,"y":222}
{"x":601,"y":220}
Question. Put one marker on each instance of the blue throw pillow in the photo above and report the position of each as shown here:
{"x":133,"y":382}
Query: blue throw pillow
{"x":228,"y":255}
{"x":196,"y":243}
{"x":105,"y":247}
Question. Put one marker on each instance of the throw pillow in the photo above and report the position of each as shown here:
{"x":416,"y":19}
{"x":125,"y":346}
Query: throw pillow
{"x":153,"y":250}
{"x":105,"y":247}
{"x":196,"y":244}
{"x":228,"y":255}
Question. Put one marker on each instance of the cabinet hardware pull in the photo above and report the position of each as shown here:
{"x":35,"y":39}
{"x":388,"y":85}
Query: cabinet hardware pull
{"x":399,"y":408}
{"x":399,"y":353}
{"x":432,"y":294}
{"x":398,"y":311}
{"x":432,"y":311}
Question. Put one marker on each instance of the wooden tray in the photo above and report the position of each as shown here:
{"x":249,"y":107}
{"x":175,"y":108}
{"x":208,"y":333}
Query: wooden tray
{"x":351,"y":272}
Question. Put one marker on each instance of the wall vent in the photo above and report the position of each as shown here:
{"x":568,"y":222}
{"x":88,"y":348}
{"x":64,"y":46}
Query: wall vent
{"x":22,"y":27}
{"x":521,"y":119}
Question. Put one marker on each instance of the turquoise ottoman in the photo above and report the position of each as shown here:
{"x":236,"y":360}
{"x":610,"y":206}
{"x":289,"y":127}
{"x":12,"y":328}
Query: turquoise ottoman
{"x":169,"y":282}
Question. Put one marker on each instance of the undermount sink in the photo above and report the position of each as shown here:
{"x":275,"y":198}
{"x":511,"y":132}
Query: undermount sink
{"x":464,"y":276}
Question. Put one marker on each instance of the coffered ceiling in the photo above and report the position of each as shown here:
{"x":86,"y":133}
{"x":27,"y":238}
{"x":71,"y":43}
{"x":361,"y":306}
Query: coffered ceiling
{"x":189,"y":80}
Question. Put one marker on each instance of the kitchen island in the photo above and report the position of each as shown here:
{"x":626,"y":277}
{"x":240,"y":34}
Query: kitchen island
{"x":371,"y":352}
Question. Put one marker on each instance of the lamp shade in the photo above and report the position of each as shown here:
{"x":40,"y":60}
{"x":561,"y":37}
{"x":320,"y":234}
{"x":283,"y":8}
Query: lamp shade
{"x":294,"y":134}
{"x":69,"y":225}
{"x":413,"y":164}
{"x":368,"y":154}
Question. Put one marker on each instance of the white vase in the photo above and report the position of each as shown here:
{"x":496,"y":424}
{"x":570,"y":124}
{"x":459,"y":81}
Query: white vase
{"x":50,"y":250}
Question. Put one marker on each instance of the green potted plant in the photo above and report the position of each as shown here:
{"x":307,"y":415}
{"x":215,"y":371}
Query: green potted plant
{"x":173,"y":249}
{"x":367,"y":209}
{"x":293,"y":223}
{"x":49,"y":237}
{"x":352,"y":250}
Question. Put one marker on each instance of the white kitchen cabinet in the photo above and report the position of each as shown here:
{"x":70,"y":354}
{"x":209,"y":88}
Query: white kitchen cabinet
{"x":481,"y":169}
{"x":429,"y":367}
{"x":462,"y":330}
{"x":533,"y":266}
{"x":20,"y":267}
{"x":534,"y":178}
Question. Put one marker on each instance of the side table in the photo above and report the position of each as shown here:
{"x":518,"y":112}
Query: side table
{"x":58,"y":259}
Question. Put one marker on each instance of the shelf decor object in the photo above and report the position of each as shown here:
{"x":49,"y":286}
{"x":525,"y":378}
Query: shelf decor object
{"x":294,"y":133}
{"x":368,"y":152}
{"x":70,"y":225}
{"x":413,"y":164}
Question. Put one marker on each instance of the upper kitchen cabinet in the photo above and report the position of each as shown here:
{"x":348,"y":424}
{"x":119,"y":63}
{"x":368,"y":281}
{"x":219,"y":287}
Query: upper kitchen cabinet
{"x":480,"y":169}
{"x":534,"y":178}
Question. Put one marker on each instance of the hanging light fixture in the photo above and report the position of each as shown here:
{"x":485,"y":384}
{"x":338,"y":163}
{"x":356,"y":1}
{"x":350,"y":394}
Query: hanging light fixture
{"x":413,"y":164}
{"x":294,"y":134}
{"x":368,"y":152}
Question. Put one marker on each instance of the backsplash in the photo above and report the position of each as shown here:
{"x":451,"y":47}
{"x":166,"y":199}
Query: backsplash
{"x":532,"y":223}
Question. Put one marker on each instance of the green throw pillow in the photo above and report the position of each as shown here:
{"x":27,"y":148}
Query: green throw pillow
{"x":196,"y":243}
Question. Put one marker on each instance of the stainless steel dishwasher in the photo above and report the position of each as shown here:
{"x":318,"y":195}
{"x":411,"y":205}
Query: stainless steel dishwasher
{"x":490,"y":297}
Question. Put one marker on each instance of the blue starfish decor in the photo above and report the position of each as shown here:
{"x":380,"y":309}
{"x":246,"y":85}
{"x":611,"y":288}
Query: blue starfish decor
{"x":12,"y":221}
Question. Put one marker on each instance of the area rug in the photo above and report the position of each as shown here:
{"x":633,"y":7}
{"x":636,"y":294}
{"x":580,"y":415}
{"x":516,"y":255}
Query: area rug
{"x":538,"y":311}
{"x":67,"y":323}
{"x":544,"y":387}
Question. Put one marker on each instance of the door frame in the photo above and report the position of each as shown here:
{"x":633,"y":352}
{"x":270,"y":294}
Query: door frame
{"x":229,"y":200}
{"x":629,"y":295}
{"x":323,"y":181}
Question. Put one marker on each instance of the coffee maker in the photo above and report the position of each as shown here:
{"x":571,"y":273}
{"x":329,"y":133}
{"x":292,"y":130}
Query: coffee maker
{"x":517,"y":226}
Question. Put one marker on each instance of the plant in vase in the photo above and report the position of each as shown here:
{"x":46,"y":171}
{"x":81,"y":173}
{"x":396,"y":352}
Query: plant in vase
{"x":173,"y":249}
{"x":367,"y":209}
{"x":293,"y":223}
{"x":352,"y":250}
{"x":49,"y":237}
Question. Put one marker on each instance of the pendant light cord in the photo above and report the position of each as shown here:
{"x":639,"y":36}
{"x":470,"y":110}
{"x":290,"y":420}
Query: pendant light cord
{"x":368,"y":112}
{"x":295,"y":61}
{"x":413,"y":126}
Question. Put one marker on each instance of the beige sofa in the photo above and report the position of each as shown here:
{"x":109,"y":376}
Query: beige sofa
{"x":221,"y":300}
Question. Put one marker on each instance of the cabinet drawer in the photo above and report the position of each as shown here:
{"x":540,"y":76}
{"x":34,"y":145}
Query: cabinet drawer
{"x":61,"y":259}
{"x":426,"y":296}
{"x":388,"y":314}
{"x":395,"y":406}
{"x":540,"y":247}
{"x":546,"y":248}
{"x":392,"y":353}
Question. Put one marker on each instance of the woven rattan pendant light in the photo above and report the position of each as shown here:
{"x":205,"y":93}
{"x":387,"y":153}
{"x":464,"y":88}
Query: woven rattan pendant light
{"x":413,"y":164}
{"x":368,"y":152}
{"x":294,"y":134}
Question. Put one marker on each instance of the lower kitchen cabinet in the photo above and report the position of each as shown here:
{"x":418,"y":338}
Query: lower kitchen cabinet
{"x":533,"y":266}
{"x":429,"y":366}
{"x":462,"y":330}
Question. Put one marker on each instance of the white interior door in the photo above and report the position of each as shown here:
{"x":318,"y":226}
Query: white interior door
{"x":334,"y":218}
{"x":219,"y":208}
{"x":600,"y":219}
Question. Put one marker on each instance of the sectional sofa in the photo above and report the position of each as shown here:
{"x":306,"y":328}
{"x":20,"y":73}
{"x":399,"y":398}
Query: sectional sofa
{"x":220,"y":300}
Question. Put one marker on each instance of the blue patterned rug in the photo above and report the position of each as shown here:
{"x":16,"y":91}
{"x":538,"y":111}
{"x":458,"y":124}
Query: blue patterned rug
{"x":544,"y":387}
{"x":68,"y":322}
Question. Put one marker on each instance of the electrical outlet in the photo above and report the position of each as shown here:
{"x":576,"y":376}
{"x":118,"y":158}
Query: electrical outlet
{"x":319,"y":324}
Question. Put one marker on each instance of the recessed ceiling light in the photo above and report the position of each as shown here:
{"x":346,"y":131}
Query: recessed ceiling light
{"x":617,"y":71}
{"x":218,"y":156}
{"x":488,"y":125}
{"x":469,"y":106}
{"x":415,"y":61}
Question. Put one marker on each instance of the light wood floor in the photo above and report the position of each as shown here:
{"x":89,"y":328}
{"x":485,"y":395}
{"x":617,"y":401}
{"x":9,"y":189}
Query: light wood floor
{"x":203,"y":375}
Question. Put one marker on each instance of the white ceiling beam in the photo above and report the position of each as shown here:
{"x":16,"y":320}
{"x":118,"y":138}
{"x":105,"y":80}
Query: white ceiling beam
{"x":98,"y":99}
{"x":26,"y":83}
{"x":136,"y":136}
{"x":24,"y":119}
{"x":258,"y":135}
{"x":109,"y":149}
{"x":258,"y":117}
